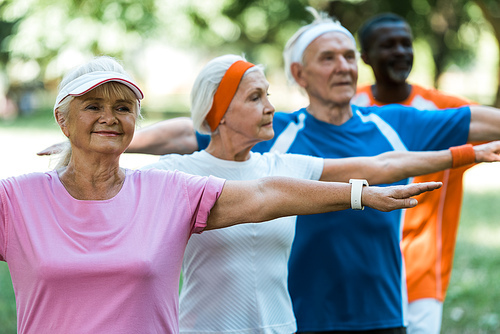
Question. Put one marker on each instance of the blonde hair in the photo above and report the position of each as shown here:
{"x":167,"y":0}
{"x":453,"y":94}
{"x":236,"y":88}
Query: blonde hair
{"x":110,"y":89}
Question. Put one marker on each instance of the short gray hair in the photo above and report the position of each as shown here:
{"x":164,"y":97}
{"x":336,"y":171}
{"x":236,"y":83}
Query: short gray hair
{"x":291,"y":47}
{"x":205,"y":86}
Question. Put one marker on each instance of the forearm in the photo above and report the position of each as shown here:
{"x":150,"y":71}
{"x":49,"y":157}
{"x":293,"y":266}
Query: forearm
{"x":484,"y":124}
{"x":387,"y":167}
{"x":457,"y":156}
{"x":395,"y":166}
{"x":171,"y":136}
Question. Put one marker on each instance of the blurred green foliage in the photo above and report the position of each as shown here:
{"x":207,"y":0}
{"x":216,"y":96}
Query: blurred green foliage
{"x":41,"y":30}
{"x":39,"y":36}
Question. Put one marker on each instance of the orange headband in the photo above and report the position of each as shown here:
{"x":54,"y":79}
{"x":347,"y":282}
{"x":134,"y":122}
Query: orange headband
{"x":225,"y":92}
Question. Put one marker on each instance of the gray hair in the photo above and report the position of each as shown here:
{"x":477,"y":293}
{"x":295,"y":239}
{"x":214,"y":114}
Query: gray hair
{"x":292,"y":47}
{"x":102,"y":63}
{"x":205,"y":86}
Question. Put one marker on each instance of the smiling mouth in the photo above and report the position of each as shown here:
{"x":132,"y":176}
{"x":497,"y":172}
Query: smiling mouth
{"x":400,"y":64}
{"x":107,"y":133}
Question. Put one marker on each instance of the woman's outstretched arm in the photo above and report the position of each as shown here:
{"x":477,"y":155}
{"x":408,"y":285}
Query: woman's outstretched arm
{"x":273,"y":197}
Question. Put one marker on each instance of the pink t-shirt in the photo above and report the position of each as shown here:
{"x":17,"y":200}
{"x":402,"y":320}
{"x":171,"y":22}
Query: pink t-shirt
{"x":108,"y":266}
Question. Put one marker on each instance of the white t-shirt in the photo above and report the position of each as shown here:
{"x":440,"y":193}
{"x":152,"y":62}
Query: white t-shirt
{"x":235,"y":279}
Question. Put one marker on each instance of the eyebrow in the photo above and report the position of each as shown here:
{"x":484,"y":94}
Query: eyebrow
{"x":332,"y":52}
{"x":101,"y":99}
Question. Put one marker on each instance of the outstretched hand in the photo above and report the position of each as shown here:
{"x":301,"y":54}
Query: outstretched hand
{"x":395,"y":197}
{"x":488,"y":152}
{"x":53,"y":149}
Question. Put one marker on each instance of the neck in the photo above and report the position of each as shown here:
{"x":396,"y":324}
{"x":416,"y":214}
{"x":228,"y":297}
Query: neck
{"x":229,"y":149}
{"x":92,"y":179}
{"x":391,"y":92}
{"x":335,"y":114}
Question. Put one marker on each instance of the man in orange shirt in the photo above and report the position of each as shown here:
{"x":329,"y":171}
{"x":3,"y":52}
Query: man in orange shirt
{"x":429,"y":232}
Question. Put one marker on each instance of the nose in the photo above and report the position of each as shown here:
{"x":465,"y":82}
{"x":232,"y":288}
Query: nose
{"x":401,"y":49}
{"x":342,"y":65}
{"x":107,"y":116}
{"x":268,"y":106}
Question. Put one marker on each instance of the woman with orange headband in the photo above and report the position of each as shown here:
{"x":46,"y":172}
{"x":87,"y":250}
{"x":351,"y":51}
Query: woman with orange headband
{"x":235,"y":280}
{"x":96,"y":248}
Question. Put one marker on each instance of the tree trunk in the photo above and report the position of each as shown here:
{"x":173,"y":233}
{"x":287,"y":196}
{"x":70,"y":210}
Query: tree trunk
{"x":494,"y":19}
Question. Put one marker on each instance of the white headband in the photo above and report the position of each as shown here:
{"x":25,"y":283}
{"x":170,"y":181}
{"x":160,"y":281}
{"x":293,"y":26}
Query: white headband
{"x":310,"y":35}
{"x":85,"y":83}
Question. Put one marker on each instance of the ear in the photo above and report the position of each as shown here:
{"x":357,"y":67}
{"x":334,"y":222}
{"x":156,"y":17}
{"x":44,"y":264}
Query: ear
{"x":297,"y":71}
{"x":61,"y":120}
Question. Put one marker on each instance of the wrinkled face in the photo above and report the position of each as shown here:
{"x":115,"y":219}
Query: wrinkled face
{"x":99,"y":124}
{"x":250,"y":113}
{"x":390,"y":52}
{"x":330,"y":72}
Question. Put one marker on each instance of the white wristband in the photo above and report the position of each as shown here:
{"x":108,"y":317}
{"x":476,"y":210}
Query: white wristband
{"x":356,"y":190}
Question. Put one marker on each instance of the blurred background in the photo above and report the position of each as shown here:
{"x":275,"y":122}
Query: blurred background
{"x":164,"y":44}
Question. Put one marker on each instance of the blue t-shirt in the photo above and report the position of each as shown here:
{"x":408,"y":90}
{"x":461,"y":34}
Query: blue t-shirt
{"x":345,"y":268}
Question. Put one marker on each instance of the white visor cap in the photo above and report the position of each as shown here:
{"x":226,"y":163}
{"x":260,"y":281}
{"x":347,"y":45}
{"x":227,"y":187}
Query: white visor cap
{"x":85,"y":83}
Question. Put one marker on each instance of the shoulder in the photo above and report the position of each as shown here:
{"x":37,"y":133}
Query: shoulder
{"x":381,"y":110}
{"x":282,"y":116}
{"x":392,"y":113}
{"x":32,"y":186}
{"x":31,"y":179}
{"x":171,"y":161}
{"x":363,"y":97}
{"x":154,"y":178}
{"x":151,"y":176}
{"x":364,"y":89}
{"x":289,"y":158}
{"x":439,"y":98}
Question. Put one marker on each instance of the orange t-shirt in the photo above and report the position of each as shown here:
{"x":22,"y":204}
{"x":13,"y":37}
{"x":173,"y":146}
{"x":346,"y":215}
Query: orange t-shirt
{"x":430,"y":229}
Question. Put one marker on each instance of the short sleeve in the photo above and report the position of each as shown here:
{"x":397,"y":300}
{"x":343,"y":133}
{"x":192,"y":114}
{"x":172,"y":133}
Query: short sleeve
{"x":303,"y":166}
{"x":3,"y":222}
{"x":424,"y":130}
{"x":202,"y":198}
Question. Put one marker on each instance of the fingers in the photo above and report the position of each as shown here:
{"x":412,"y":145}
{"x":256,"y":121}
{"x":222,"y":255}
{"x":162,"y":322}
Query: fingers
{"x":44,"y":152}
{"x":488,"y":152}
{"x":415,"y":189}
{"x":53,"y":149}
{"x":396,"y":197}
{"x":409,"y":203}
{"x":403,"y":194}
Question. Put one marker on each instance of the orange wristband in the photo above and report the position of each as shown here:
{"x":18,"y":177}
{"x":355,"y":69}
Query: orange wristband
{"x":462,"y":155}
